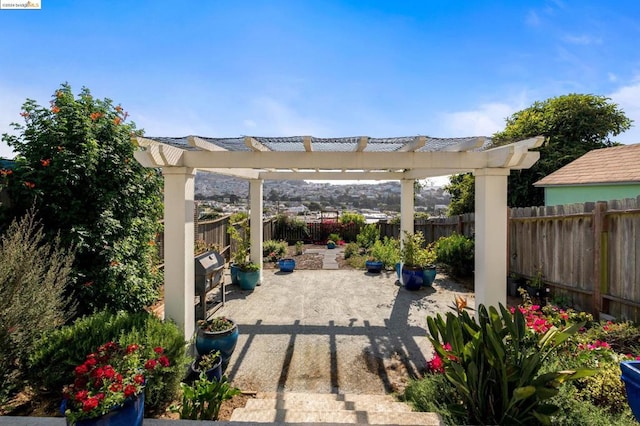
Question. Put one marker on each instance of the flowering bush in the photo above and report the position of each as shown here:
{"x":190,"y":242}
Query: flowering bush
{"x":108,"y":377}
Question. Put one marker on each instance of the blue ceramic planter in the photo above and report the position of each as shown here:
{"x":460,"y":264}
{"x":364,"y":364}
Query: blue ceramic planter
{"x":131,"y":413}
{"x":374,"y":266}
{"x":223,"y":341}
{"x":631,"y":379}
{"x":331,"y":245}
{"x":412,"y":278}
{"x":214,"y":373}
{"x":248,"y":279}
{"x":399,"y":270}
{"x":429,"y":276}
{"x":287,"y":265}
{"x":234,"y":274}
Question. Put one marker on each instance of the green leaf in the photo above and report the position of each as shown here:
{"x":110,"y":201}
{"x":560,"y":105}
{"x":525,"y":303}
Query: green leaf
{"x":523,"y":392}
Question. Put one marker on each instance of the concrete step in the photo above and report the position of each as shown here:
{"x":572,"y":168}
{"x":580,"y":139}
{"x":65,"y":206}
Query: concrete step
{"x":302,"y":396}
{"x":336,"y":417}
{"x":312,"y":404}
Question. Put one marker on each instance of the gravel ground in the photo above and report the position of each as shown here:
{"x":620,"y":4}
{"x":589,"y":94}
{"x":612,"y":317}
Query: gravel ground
{"x":333,"y":331}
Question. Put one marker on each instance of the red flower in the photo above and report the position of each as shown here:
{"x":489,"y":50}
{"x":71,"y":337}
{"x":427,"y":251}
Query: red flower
{"x":130,"y":390}
{"x":109,"y":372}
{"x":138,"y":378}
{"x":115,"y":387}
{"x":158,"y":350}
{"x":89,"y":404}
{"x":117,"y":120}
{"x":132,"y":348}
{"x":82,"y":369}
{"x":151,"y":364}
{"x":46,"y":162}
{"x":436,"y":365}
{"x":95,"y":115}
{"x":25,"y":114}
{"x":81,"y":395}
{"x":55,"y":109}
{"x":30,"y":185}
{"x":91,"y":360}
{"x":164,"y":361}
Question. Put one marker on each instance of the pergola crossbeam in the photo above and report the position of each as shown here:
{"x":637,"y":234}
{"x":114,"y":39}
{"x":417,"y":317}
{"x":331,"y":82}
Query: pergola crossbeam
{"x":254,"y":145}
{"x":417,"y":143}
{"x":197,"y":142}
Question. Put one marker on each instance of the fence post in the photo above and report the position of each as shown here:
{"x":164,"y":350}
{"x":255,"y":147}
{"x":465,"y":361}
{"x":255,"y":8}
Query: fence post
{"x":460,"y":225}
{"x":196,"y":216}
{"x":600,"y":256}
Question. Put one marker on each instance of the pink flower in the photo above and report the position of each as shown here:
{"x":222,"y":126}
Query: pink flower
{"x":435,"y":365}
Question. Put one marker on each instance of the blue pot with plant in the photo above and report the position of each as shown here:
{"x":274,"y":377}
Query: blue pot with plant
{"x":210,"y":364}
{"x":217,"y":334}
{"x":374,"y":266}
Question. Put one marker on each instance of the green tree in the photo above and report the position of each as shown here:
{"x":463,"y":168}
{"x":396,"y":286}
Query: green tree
{"x":75,"y":164}
{"x":573,"y":124}
{"x":462,"y":190}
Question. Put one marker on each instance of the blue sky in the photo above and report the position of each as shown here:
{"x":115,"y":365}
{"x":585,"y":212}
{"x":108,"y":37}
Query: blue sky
{"x":322,"y":68}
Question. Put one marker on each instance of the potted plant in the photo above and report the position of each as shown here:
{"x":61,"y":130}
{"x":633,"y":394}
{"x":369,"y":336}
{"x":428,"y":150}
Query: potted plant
{"x":109,"y":385}
{"x":412,"y":257}
{"x":210,"y":364}
{"x":217,"y":334}
{"x":331,"y":244}
{"x":373,"y":265}
{"x":513,"y":282}
{"x":248,"y":275}
{"x":536,"y":288}
{"x":428,"y":259}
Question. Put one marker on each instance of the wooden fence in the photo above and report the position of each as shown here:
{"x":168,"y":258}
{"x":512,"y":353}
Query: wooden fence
{"x":588,"y":253}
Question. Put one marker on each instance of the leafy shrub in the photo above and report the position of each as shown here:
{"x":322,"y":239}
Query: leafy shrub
{"x":387,"y":251}
{"x":334,"y":237}
{"x":351,"y":249}
{"x":574,"y":411}
{"x":274,"y":250}
{"x":623,"y":337}
{"x":33,"y":277}
{"x":457,"y":253}
{"x":52,"y":362}
{"x":75,"y":163}
{"x":202,"y":399}
{"x":299,"y":248}
{"x":434,"y":394}
{"x":291,"y":229}
{"x":498,"y":380}
{"x":605,"y":389}
{"x":352,"y":217}
{"x":368,"y":235}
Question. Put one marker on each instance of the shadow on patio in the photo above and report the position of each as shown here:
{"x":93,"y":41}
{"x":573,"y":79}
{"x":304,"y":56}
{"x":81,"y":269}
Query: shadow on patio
{"x":332,"y":331}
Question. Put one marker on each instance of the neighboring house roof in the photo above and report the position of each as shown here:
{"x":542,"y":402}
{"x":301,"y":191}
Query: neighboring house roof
{"x":618,"y":164}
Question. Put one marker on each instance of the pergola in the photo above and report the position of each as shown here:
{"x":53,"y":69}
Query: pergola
{"x":350,"y":158}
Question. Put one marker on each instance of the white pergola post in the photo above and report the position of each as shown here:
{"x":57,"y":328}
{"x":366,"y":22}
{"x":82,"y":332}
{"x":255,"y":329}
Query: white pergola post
{"x":179,"y":285}
{"x":406,"y":207}
{"x":257,"y":229}
{"x":491,"y":236}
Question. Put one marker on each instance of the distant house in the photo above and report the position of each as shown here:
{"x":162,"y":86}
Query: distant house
{"x":599,"y":175}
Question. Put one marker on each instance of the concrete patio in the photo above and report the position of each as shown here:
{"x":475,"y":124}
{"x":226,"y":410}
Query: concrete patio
{"x":333,"y":331}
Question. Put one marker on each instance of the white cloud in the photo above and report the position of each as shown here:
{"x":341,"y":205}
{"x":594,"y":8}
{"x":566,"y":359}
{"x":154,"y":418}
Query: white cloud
{"x":482,"y":121}
{"x":532,"y":19}
{"x":283,"y":120}
{"x":628,"y":98}
{"x":584,"y":40}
